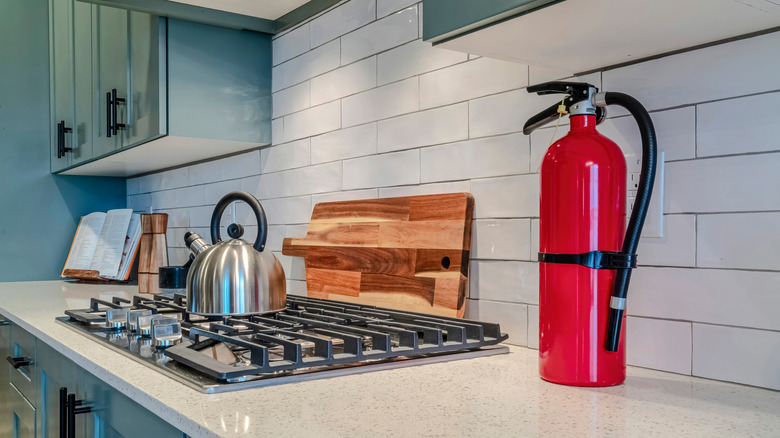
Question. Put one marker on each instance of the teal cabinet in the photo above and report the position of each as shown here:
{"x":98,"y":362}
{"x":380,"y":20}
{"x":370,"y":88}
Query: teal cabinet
{"x":105,"y":66}
{"x":61,"y":88}
{"x":5,"y":384}
{"x":446,"y":19}
{"x":33,"y":410}
{"x":140,"y":93}
{"x":568,"y":37}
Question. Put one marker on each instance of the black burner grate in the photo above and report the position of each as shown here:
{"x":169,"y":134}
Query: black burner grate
{"x":313,"y":333}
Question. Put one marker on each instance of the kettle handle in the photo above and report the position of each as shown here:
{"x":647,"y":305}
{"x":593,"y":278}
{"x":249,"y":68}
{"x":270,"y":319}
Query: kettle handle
{"x":262,"y":222}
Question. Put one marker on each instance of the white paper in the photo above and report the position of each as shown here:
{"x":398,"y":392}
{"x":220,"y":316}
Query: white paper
{"x":111,"y":242}
{"x":85,"y":241}
{"x":132,"y":237}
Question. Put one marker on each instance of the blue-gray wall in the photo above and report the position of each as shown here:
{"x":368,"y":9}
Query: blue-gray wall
{"x":39,"y":212}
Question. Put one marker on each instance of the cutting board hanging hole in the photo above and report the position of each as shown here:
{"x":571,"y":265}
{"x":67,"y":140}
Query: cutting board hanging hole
{"x":445,"y":263}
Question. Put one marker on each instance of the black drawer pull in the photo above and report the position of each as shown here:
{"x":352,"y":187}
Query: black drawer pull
{"x":61,"y":131}
{"x":69,"y":408}
{"x":17,"y":362}
{"x":109,"y":102}
{"x":116,"y":100}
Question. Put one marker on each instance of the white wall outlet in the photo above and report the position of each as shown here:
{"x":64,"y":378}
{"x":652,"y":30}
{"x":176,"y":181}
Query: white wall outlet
{"x":654,"y":222}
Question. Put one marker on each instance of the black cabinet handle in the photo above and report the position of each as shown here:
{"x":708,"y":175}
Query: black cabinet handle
{"x":17,"y":362}
{"x":61,"y":130}
{"x":69,"y":408}
{"x":108,"y":114}
{"x":63,"y":412}
{"x":117,"y":100}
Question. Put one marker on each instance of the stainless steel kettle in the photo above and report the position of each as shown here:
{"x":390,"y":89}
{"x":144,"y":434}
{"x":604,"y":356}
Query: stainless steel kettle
{"x":233,"y":277}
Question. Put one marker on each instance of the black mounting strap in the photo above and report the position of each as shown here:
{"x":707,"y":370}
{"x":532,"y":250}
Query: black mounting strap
{"x":593,"y":259}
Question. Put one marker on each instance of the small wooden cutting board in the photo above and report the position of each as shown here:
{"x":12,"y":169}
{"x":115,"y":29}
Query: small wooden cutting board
{"x":409,"y":253}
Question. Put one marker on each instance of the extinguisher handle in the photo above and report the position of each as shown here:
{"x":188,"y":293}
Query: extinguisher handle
{"x":541,"y":119}
{"x":575,"y":89}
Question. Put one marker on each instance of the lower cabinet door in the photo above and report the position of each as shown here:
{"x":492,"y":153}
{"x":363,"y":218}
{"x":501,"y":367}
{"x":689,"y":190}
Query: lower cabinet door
{"x":55,"y":372}
{"x":22,"y":415}
{"x":116,"y":415}
{"x":5,"y":372}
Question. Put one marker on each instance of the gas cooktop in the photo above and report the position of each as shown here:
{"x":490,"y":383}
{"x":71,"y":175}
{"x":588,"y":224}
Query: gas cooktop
{"x":312,"y":338}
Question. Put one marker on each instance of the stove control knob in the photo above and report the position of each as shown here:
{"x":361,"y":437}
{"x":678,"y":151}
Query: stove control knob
{"x":166,"y":332}
{"x":117,"y":318}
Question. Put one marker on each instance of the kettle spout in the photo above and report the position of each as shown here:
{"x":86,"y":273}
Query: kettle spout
{"x":195,"y":243}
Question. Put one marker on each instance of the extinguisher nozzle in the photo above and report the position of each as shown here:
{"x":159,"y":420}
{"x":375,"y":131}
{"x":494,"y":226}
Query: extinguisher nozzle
{"x":614,"y":325}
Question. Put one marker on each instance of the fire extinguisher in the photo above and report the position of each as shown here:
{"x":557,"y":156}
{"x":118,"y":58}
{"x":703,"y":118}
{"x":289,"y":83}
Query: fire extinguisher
{"x":585,"y":258}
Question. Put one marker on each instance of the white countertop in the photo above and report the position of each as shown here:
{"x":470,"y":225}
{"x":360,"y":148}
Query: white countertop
{"x":490,"y":396}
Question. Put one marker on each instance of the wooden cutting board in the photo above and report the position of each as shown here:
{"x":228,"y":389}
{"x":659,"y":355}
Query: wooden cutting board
{"x":409,"y":253}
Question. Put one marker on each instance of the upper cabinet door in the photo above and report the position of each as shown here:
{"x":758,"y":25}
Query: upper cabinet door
{"x":85,"y":97}
{"x":110,"y":68}
{"x":61,"y":70}
{"x":146,"y":106}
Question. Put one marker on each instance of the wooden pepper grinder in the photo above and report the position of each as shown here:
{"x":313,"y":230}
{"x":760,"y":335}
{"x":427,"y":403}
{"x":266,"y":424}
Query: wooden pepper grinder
{"x":153,"y":251}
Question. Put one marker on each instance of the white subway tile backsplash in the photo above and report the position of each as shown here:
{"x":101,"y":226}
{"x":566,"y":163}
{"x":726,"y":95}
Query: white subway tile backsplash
{"x":507,"y":197}
{"x":291,"y":99}
{"x":659,"y":344}
{"x":281,"y":211}
{"x":393,"y":169}
{"x":140,"y":203}
{"x":215,"y":191}
{"x":533,"y":327}
{"x":412,"y":59}
{"x":200,"y":216}
{"x":277,"y":82}
{"x":132,"y":186}
{"x":351,"y":142}
{"x":717,"y":296}
{"x":177,"y":217}
{"x":675,"y":130}
{"x":380,"y":35}
{"x":178,"y":256}
{"x":736,"y":126}
{"x":424,"y":128}
{"x":285,"y":156}
{"x":481,"y":158}
{"x":470,"y":80}
{"x":291,"y":44}
{"x":425,"y":189}
{"x":296,"y":230}
{"x":737,"y":355}
{"x":295,"y":287}
{"x":380,"y":103}
{"x":344,"y":81}
{"x":303,"y":181}
{"x":313,"y":121}
{"x":501,"y":239}
{"x":313,"y":63}
{"x":277,"y":131}
{"x":534,"y":239}
{"x":746,"y":241}
{"x":503,"y":113}
{"x":512,"y":317}
{"x":716,"y":72}
{"x":149,"y":183}
{"x":350,"y":195}
{"x":240,"y":166}
{"x":677,"y":247}
{"x":385,"y":7}
{"x":739,"y":183}
{"x":342,"y":19}
{"x":515,"y":282}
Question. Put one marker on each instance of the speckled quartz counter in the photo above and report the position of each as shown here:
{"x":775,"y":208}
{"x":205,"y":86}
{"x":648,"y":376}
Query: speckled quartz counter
{"x":489,"y":396}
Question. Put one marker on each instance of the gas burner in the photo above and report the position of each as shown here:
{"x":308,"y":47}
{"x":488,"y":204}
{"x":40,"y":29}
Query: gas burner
{"x":311,"y":338}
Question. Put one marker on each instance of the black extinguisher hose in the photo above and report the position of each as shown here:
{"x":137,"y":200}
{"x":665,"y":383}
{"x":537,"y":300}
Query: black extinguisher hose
{"x":641,"y":204}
